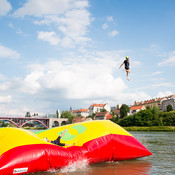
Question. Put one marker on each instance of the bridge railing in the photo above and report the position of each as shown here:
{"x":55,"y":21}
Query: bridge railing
{"x":21,"y":121}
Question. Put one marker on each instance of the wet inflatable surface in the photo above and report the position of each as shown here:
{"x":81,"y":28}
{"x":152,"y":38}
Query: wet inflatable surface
{"x":23,"y":152}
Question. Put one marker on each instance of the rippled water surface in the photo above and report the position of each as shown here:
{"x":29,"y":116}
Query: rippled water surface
{"x":161,"y":144}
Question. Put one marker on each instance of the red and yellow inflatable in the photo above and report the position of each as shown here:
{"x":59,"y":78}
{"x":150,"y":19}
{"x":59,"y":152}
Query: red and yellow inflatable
{"x":23,"y":152}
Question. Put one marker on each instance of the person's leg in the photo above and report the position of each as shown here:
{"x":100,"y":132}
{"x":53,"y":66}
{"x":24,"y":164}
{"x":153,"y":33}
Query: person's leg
{"x":127,"y":73}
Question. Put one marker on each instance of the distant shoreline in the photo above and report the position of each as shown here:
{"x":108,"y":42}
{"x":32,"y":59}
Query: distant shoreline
{"x":129,"y":128}
{"x":150,"y":128}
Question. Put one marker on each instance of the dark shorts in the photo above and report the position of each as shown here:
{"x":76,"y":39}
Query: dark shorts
{"x":127,"y":68}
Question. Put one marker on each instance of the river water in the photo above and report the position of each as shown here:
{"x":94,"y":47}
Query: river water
{"x":162,"y":162}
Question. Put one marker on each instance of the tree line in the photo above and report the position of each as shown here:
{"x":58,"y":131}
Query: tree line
{"x":148,"y":117}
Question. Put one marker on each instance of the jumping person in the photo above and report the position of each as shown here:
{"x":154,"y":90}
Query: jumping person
{"x":126,"y":62}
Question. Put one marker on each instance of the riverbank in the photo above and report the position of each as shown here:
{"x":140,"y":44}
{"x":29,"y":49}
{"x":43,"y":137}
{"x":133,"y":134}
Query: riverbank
{"x":150,"y":128}
{"x":129,"y":128}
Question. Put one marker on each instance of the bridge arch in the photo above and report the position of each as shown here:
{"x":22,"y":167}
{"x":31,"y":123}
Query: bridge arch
{"x":63,"y":123}
{"x":10,"y":122}
{"x":55,"y":123}
{"x":36,"y":121}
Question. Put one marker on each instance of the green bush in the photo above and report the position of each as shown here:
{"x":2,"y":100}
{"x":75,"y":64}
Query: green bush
{"x":169,"y":118}
{"x":148,"y":117}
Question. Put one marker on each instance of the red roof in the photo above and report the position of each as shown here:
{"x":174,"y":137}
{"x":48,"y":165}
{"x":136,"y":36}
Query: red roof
{"x":117,"y":111}
{"x":80,"y":110}
{"x":78,"y":119}
{"x":153,"y":100}
{"x":109,"y":117}
{"x":104,"y":114}
{"x":134,"y":108}
{"x":98,"y":105}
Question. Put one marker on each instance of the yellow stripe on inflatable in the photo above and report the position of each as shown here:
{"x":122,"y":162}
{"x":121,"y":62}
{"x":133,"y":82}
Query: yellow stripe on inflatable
{"x":13,"y":137}
{"x":78,"y":133}
{"x":93,"y":130}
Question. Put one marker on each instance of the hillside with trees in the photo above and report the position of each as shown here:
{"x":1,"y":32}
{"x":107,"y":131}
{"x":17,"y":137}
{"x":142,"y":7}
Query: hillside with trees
{"x":148,"y":117}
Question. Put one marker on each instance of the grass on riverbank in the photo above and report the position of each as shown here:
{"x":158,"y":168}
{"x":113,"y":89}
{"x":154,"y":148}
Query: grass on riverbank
{"x":150,"y":128}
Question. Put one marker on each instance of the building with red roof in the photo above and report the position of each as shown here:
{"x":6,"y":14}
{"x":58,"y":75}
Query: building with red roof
{"x":103,"y":116}
{"x":154,"y":102}
{"x":134,"y":109}
{"x":94,"y":108}
{"x":81,"y":112}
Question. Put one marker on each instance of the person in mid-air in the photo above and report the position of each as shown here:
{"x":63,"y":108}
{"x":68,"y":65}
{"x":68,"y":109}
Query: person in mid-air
{"x":126,"y":62}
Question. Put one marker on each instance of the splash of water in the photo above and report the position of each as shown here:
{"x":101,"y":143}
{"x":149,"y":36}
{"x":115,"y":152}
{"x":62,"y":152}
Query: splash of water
{"x":76,"y":166}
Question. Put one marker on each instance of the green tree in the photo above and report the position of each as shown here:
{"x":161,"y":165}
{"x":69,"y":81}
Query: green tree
{"x":103,"y":110}
{"x":124,"y":110}
{"x":3,"y":124}
{"x":169,"y":108}
{"x":169,"y":118}
{"x":127,"y":121}
{"x":67,"y":114}
{"x":114,"y":119}
{"x":92,"y":116}
{"x":70,"y":118}
{"x":148,"y":107}
{"x":147,"y":117}
{"x":155,"y":110}
{"x":28,"y":114}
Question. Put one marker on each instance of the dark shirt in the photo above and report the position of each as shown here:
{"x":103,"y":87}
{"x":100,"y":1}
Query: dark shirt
{"x":57,"y":142}
{"x":126,"y":62}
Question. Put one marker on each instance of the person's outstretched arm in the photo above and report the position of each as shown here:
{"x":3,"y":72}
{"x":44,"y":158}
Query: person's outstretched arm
{"x":121,"y":65}
{"x":63,"y":132}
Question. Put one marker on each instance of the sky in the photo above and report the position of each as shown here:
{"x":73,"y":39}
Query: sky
{"x":57,"y":54}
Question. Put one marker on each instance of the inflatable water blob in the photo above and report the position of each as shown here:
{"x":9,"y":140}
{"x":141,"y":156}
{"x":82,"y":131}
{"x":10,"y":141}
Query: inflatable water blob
{"x":23,"y":152}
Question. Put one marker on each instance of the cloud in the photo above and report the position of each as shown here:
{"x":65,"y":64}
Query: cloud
{"x":156,"y":73}
{"x":109,"y":23}
{"x":105,"y":26}
{"x":74,"y":25}
{"x":109,"y":19}
{"x":80,"y":79}
{"x":114,"y":33}
{"x":17,"y":30}
{"x":2,"y":77}
{"x":6,"y":52}
{"x":5,"y":7}
{"x":138,"y":96}
{"x":69,"y":18}
{"x":169,"y":61}
{"x":41,"y":8}
{"x":135,"y":63}
{"x":164,"y":84}
{"x":76,"y":81}
{"x":50,"y":37}
{"x":5,"y":99}
{"x":164,"y":94}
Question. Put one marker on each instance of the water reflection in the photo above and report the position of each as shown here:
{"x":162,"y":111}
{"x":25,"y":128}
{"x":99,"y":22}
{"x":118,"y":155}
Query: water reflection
{"x":133,"y":167}
{"x":123,"y":168}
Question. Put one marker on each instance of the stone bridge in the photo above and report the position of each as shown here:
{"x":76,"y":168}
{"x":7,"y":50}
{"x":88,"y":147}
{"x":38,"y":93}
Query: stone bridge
{"x":46,"y":122}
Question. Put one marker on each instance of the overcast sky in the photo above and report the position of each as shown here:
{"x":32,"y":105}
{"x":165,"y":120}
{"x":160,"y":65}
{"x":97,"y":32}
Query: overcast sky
{"x":57,"y":54}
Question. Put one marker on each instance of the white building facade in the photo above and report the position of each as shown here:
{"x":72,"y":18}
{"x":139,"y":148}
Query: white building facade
{"x":168,"y":101}
{"x":94,"y":108}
